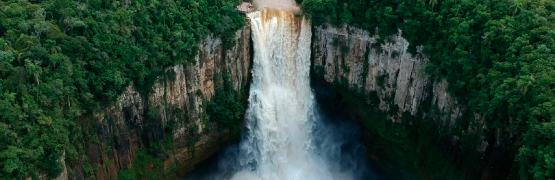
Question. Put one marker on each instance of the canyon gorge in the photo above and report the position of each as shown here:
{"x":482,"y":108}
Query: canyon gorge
{"x":277,"y":89}
{"x":344,"y":56}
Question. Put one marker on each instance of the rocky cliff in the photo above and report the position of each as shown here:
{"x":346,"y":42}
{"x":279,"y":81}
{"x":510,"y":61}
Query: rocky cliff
{"x":393,"y":82}
{"x":170,"y":118}
{"x":351,"y":57}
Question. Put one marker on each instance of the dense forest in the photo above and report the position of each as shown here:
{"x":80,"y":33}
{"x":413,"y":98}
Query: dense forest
{"x":497,"y":55}
{"x":62,"y":59}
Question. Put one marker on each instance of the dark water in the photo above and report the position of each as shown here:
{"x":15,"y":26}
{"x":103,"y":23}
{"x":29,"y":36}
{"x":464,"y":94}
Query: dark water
{"x":350,"y":155}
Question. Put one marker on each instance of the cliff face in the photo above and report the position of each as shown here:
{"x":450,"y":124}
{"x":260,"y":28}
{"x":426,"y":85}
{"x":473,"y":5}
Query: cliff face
{"x":172,"y":113}
{"x":352,"y":59}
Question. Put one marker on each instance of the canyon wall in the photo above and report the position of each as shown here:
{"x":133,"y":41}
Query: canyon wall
{"x":394,"y":83}
{"x":171,"y":115}
{"x":351,"y":57}
{"x":344,"y":56}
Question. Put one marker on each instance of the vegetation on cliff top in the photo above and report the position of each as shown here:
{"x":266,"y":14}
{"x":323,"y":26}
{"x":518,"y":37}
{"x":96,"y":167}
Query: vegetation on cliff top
{"x":62,"y":59}
{"x":498,"y":56}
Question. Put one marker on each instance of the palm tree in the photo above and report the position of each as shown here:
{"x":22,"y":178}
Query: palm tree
{"x":34,"y":69}
{"x":433,"y":3}
{"x":51,"y":46}
{"x":24,"y":42}
{"x":517,"y":5}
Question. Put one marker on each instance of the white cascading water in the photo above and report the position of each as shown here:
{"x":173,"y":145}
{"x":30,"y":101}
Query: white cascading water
{"x":281,"y":115}
{"x":285,"y":137}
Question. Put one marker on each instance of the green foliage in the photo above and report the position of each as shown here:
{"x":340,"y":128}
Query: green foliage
{"x":380,"y":80}
{"x":227,"y":106}
{"x":146,"y":166}
{"x":62,"y":59}
{"x":406,"y":150}
{"x":537,"y":160}
{"x":319,"y":70}
{"x":168,"y":135}
{"x":345,"y":49}
{"x":335,"y":42}
{"x":497,"y":55}
{"x":344,"y":66}
{"x":89,"y":169}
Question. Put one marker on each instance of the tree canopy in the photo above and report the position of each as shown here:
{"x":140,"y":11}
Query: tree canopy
{"x":63,"y":59}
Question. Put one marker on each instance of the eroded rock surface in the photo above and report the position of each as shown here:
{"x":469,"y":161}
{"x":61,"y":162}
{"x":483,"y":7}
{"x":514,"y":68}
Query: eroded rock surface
{"x":176,"y":100}
{"x":352,"y":57}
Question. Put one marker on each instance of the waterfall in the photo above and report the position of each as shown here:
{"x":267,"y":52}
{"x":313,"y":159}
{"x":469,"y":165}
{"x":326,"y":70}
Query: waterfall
{"x":285,"y":138}
{"x":281,"y":115}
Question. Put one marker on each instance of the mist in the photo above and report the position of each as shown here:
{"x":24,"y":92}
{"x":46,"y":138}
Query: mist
{"x":285,"y":134}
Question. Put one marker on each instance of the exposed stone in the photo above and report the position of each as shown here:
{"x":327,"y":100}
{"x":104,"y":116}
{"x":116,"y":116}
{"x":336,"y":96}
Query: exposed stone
{"x":354,"y":59}
{"x":177,"y":96}
{"x":350,"y":55}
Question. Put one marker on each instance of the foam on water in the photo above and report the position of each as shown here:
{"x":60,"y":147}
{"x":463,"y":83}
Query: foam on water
{"x":281,"y":116}
{"x":284,"y":138}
